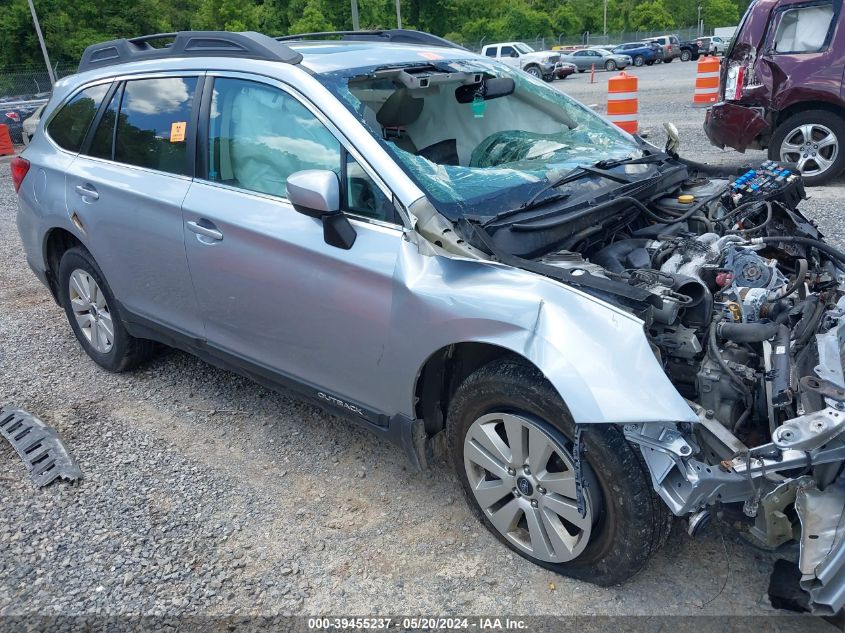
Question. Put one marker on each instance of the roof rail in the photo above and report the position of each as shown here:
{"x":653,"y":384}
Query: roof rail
{"x":397,"y":36}
{"x":188,"y":44}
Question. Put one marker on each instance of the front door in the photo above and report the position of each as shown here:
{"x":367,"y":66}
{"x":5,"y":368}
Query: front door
{"x":272,"y":291}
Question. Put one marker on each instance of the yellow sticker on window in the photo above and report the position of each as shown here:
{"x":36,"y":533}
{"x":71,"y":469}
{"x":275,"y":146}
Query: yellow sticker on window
{"x":177,"y":131}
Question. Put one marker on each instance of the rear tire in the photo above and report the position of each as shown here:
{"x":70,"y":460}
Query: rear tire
{"x":667,"y":61}
{"x":639,"y":60}
{"x":625,"y":523}
{"x":94,"y":316}
{"x":788,"y":144}
{"x":650,"y":63}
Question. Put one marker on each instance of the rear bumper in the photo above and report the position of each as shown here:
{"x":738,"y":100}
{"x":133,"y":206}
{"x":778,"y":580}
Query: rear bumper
{"x":736,"y":126}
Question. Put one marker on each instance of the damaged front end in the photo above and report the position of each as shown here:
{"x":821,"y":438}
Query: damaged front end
{"x":744,"y":306}
{"x":740,"y":298}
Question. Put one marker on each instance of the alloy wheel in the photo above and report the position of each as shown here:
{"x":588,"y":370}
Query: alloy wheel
{"x":610,"y":65}
{"x":534,"y":71}
{"x":814,"y":147}
{"x":523,"y":479}
{"x":91,"y":311}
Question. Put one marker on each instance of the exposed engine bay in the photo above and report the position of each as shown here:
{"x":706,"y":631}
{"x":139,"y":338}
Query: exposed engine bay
{"x":743,"y":305}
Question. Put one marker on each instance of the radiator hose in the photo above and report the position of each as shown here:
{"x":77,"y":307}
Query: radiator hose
{"x":747,"y":332}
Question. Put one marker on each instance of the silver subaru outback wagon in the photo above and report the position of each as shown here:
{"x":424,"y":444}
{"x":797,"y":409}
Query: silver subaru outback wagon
{"x":596,"y":333}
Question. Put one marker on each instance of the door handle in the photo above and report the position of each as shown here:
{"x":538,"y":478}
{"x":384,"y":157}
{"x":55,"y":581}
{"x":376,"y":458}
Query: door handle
{"x":87,"y":191}
{"x":205,"y":231}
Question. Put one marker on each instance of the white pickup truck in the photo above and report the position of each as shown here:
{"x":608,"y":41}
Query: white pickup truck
{"x":520,"y":55}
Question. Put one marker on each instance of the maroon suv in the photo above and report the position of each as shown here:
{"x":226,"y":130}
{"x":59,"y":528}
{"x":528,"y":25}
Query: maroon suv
{"x":782,"y":86}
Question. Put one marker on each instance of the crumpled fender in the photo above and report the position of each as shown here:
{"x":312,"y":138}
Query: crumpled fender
{"x":596,"y":355}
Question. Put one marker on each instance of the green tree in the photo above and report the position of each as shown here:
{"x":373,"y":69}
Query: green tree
{"x":228,"y":15}
{"x":719,"y":13}
{"x":566,"y":20}
{"x":313,"y":19}
{"x":651,"y":15}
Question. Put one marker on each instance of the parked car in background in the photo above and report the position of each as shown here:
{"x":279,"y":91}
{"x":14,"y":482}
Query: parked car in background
{"x":520,"y":55}
{"x":598,"y":59}
{"x":690,"y":51}
{"x":564,"y":69}
{"x":782,"y":89}
{"x":714,"y":45}
{"x":30,"y":124}
{"x":671,"y":46}
{"x":13,"y":112}
{"x":639,"y":52}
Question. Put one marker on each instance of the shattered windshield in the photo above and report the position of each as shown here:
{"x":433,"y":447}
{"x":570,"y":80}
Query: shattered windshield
{"x":477,"y":136}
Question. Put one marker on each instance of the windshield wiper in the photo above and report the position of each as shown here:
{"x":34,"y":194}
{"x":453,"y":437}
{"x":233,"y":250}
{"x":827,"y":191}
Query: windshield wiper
{"x":599,"y":168}
{"x":642,"y":160}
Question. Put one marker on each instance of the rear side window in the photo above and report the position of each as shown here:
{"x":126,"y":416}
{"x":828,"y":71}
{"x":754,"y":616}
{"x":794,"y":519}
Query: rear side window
{"x":152,"y":128}
{"x":803,"y":30}
{"x":69,"y":125}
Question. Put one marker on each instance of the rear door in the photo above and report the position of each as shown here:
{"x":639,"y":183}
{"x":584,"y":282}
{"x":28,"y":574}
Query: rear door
{"x":802,"y":47}
{"x":126,"y":188}
{"x":273,"y":293}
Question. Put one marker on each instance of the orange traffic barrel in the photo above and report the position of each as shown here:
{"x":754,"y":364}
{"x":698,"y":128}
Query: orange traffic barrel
{"x":6,"y":147}
{"x":622,"y":101}
{"x":707,"y":82}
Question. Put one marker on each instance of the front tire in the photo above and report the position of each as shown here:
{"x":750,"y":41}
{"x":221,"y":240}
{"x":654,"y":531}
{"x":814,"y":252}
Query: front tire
{"x":508,"y":430}
{"x":686,"y":56}
{"x":94,"y":316}
{"x":815,"y":141}
{"x":534,"y":72}
{"x":610,"y":65}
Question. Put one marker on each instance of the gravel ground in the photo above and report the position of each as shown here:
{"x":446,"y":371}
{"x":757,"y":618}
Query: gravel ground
{"x":204,"y":493}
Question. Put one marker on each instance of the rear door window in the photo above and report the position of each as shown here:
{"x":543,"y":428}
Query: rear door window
{"x":101,"y":145}
{"x":152,"y":128}
{"x":491,"y":52}
{"x":802,"y":30}
{"x":69,"y":125}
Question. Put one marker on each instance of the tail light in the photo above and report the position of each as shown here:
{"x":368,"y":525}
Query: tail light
{"x":734,"y":82}
{"x":14,"y":116}
{"x":20,"y":167}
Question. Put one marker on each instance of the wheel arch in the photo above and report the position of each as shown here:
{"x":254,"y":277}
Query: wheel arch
{"x":57,"y":241}
{"x":805,"y":106}
{"x":443,"y":372}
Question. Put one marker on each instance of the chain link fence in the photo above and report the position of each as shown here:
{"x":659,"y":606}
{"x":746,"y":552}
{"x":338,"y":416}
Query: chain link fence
{"x":539,"y":43}
{"x":21,"y":83}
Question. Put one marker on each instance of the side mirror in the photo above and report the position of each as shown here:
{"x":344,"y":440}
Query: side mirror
{"x":514,"y":54}
{"x":316,"y":193}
